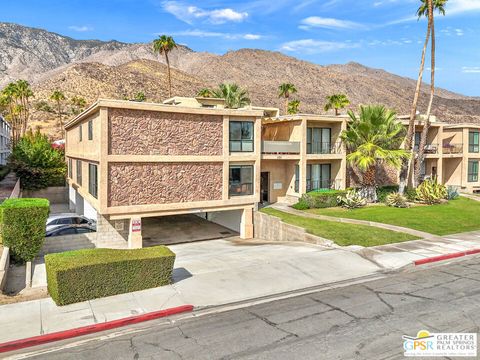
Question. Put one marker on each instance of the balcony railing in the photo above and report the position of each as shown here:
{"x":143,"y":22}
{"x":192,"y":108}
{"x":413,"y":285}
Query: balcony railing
{"x":316,"y":185}
{"x":452,"y":148}
{"x":324,"y":147}
{"x":280,"y":147}
{"x":429,"y":148}
{"x":236,"y":189}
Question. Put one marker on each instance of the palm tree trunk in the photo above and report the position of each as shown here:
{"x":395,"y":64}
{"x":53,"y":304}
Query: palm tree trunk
{"x":369,"y":181}
{"x":336,"y":112}
{"x":169,"y":75}
{"x":423,"y":140}
{"x":409,"y":143}
{"x":286,"y":105}
{"x":60,"y":118}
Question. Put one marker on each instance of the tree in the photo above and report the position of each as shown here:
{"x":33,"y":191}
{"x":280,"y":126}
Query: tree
{"x":205,"y":92}
{"x":140,"y":97}
{"x":163,"y":45}
{"x":285,"y":90}
{"x":374,"y":138}
{"x":235,"y":97}
{"x":59,"y":98}
{"x":78,"y":104}
{"x":293,"y":107}
{"x":336,"y":101}
{"x":427,"y":9}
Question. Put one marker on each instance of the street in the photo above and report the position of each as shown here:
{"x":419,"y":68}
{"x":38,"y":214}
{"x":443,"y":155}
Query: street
{"x":362,"y":321}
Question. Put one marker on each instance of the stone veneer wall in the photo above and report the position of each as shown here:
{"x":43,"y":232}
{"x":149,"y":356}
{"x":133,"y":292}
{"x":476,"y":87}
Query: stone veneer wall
{"x":137,"y":132}
{"x":163,"y":183}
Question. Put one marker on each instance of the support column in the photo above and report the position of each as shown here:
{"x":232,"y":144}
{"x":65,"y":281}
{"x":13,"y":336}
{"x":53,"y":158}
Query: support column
{"x":135,"y":240}
{"x":246,"y":225}
{"x":303,"y":159}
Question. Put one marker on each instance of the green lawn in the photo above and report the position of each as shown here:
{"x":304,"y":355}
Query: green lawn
{"x":341,"y":233}
{"x":456,"y":216}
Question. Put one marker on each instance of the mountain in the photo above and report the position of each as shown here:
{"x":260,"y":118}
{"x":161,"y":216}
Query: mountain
{"x":92,"y":69}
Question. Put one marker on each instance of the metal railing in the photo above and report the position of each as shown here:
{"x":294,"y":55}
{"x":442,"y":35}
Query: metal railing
{"x":315,"y":185}
{"x":324,"y":147}
{"x":452,"y":148}
{"x":429,"y":148}
{"x":280,"y":147}
{"x":240,"y":189}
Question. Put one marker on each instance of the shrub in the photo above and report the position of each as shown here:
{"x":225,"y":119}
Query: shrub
{"x":36,"y":163}
{"x":452,"y":192}
{"x":352,"y":200}
{"x":301,"y":205}
{"x":22,"y":224}
{"x":384,"y":191}
{"x":320,"y":199}
{"x":431,"y":192}
{"x":411,"y":194}
{"x":4,"y":170}
{"x":87,"y":274}
{"x":396,"y":199}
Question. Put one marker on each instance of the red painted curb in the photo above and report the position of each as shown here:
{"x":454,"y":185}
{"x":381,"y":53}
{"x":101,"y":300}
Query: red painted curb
{"x":446,"y":257}
{"x":90,"y":329}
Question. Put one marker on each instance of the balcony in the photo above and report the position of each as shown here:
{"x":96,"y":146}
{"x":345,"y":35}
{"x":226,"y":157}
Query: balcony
{"x":319,"y":185}
{"x":429,"y":148}
{"x":452,"y":148}
{"x":324,"y":148}
{"x":280,"y":147}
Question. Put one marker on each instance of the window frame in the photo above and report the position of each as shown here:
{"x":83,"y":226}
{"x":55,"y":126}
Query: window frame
{"x":473,"y":147}
{"x":310,"y":140}
{"x":90,"y":129}
{"x":93,"y":180}
{"x":70,"y":170}
{"x":79,"y":166}
{"x":472,"y":174}
{"x":241,"y":141}
{"x":80,"y":134}
{"x":249,"y":185}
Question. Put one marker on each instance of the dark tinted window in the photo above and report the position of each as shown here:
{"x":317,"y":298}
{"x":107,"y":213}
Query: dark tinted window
{"x":84,"y":230}
{"x":67,"y":231}
{"x":64,"y":221}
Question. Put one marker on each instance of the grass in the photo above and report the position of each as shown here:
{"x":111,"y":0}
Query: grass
{"x":456,"y":216}
{"x":341,"y":233}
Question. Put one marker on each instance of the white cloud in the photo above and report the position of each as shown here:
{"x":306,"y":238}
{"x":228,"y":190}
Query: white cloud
{"x":329,"y":23}
{"x":206,"y":34}
{"x":190,"y":13}
{"x":471,"y":69}
{"x":462,"y":6}
{"x":449,"y":31}
{"x":310,"y":46}
{"x":83,"y":28}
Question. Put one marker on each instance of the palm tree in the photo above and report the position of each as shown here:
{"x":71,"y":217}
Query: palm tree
{"x":285,"y":90}
{"x":78,"y":103}
{"x":427,"y":9}
{"x":59,"y":98}
{"x":235,"y":97}
{"x":163,"y":45}
{"x":23,"y":93}
{"x":293,"y":107}
{"x":205,"y":92}
{"x":336,"y":101}
{"x":374,"y":138}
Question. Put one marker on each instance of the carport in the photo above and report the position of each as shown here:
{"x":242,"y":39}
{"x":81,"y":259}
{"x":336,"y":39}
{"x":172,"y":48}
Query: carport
{"x":185,"y":228}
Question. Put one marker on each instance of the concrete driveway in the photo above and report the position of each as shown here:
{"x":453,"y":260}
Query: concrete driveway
{"x":166,"y":230}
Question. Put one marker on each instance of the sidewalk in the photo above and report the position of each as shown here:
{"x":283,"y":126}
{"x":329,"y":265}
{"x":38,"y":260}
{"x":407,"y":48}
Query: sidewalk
{"x":206,"y":274}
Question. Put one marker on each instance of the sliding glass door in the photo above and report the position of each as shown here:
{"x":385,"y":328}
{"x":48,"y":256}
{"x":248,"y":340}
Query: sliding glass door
{"x":318,"y":177}
{"x":319,"y":140}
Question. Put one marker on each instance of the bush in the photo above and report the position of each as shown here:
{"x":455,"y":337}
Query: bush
{"x":36,"y":163}
{"x":396,"y":200}
{"x":319,"y":199}
{"x":81,"y":275}
{"x":411,"y":194}
{"x":4,"y":170}
{"x":452,"y":192}
{"x":352,"y":200}
{"x":431,"y":192}
{"x":22,"y":224}
{"x":384,"y":191}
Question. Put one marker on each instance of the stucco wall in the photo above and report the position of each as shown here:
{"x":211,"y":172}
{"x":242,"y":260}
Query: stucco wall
{"x":137,"y":132}
{"x":85,"y":149}
{"x":163,"y":183}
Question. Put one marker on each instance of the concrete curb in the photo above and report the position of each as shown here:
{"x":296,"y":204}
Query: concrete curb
{"x":85,"y":330}
{"x":446,"y":257}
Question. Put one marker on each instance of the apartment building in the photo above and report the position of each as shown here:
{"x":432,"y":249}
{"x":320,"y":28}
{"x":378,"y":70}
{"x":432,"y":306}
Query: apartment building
{"x":5,"y":131}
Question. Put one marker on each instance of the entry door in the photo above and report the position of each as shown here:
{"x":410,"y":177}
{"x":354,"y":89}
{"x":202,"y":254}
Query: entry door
{"x":264,"y":187}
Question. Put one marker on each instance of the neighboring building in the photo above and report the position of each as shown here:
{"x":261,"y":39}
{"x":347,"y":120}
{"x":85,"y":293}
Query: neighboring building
{"x":5,"y":131}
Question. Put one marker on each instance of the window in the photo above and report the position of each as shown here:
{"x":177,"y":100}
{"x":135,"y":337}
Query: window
{"x":80,"y":221}
{"x":241,"y":136}
{"x":319,"y":140}
{"x":241,"y":180}
{"x":418,"y":138}
{"x":80,"y":133}
{"x":472,"y":170}
{"x":67,"y":231}
{"x":92,"y":180}
{"x":70,"y":171}
{"x":79,"y":172}
{"x":297,"y":178}
{"x":90,"y":130}
{"x":473,"y":142}
{"x":318,"y":177}
{"x":64,"y":221}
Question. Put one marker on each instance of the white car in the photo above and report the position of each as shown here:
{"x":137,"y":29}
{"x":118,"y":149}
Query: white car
{"x":57,"y":220}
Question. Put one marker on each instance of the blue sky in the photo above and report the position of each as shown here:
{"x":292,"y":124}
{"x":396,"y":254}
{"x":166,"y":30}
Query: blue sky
{"x":379,"y":33}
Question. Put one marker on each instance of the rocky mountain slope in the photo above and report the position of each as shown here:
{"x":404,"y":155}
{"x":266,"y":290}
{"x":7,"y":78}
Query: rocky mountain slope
{"x":93,"y":69}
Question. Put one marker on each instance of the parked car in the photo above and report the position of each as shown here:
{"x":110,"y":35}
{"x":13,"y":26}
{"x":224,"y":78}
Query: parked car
{"x":61,"y":230}
{"x":57,"y":220}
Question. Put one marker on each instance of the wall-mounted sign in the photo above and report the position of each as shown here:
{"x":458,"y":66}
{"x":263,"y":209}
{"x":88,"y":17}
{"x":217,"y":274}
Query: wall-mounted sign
{"x":136,"y":225}
{"x":277,"y":185}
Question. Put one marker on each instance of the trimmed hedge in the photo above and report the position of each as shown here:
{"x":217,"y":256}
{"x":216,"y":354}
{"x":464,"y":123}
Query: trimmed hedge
{"x":80,"y":275}
{"x":22,"y":226}
{"x":319,"y":199}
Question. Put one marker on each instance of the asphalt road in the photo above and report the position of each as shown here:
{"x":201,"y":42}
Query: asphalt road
{"x":363,"y":321}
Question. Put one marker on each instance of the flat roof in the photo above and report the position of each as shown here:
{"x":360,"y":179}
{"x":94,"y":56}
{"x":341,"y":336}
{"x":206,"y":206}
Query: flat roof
{"x":462,"y":126}
{"x":314,"y":117}
{"x":149,"y":106}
